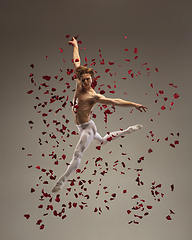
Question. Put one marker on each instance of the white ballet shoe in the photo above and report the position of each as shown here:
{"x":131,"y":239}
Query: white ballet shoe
{"x":58,"y":185}
{"x":134,"y":128}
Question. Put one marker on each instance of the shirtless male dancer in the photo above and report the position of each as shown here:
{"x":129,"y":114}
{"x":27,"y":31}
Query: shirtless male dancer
{"x":85,"y":98}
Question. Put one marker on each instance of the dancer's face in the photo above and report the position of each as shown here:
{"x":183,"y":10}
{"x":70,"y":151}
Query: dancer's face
{"x":86,"y":80}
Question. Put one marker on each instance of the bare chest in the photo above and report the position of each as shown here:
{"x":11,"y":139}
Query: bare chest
{"x":87,"y":99}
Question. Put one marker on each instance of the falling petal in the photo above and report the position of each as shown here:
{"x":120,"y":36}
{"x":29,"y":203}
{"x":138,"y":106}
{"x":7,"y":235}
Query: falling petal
{"x":46,"y":77}
{"x":168,"y":218}
{"x":27,"y":216}
{"x":149,"y":207}
{"x":172,"y":145}
{"x":150,"y":150}
{"x":30,"y":91}
{"x":171,"y":212}
{"x":176,"y":95}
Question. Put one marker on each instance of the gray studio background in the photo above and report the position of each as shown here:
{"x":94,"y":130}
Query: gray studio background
{"x":161,"y":31}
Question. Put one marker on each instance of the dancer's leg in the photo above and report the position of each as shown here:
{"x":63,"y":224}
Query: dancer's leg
{"x":84,"y":141}
{"x":114,"y":135}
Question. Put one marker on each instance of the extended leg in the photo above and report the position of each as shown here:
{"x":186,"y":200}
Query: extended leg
{"x":84,"y":141}
{"x":114,"y":135}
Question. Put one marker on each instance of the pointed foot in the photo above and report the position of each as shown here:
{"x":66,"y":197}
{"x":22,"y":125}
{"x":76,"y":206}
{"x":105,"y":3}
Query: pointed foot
{"x":134,"y":128}
{"x":58,"y":186}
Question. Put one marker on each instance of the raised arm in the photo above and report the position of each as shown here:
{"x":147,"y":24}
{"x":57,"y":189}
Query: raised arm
{"x":119,"y":102}
{"x":76,"y":57}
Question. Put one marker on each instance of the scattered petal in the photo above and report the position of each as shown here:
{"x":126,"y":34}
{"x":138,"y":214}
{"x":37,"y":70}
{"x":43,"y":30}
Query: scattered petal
{"x":128,"y":211}
{"x":46,"y":77}
{"x":168,"y":217}
{"x":134,"y":197}
{"x":30,"y":91}
{"x":176,"y":95}
{"x":27,"y":216}
{"x":149,"y":207}
{"x":171,"y":212}
{"x":150,"y":150}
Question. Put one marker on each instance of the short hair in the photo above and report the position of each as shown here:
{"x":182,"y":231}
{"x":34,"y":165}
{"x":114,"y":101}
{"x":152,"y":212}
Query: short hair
{"x":83,"y":70}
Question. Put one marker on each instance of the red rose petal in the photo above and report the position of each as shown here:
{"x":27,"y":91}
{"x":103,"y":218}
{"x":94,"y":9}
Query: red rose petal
{"x":157,"y":69}
{"x":172,"y":187}
{"x":46,"y":77}
{"x":135,"y":51}
{"x":30,"y":91}
{"x":171,"y":212}
{"x":102,"y":92}
{"x":111,"y":63}
{"x":39,"y":222}
{"x":128,"y":211}
{"x":42,"y":226}
{"x":150,"y":150}
{"x":149,"y":207}
{"x":134,"y":197}
{"x":67,"y":36}
{"x":163,"y":108}
{"x":168,"y":218}
{"x":98,"y":147}
{"x":176,"y":95}
{"x":107,"y":70}
{"x":32,"y":190}
{"x":172,"y":145}
{"x":27,"y":216}
{"x":126,"y":49}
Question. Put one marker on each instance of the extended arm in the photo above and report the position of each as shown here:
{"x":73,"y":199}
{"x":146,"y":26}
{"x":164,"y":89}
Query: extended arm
{"x":119,"y":102}
{"x":76,"y":57}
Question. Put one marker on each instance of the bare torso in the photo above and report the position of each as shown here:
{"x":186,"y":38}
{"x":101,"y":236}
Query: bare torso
{"x":85,"y":101}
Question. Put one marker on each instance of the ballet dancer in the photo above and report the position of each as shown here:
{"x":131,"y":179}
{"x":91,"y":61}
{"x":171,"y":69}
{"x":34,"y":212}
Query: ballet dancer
{"x":84,"y":100}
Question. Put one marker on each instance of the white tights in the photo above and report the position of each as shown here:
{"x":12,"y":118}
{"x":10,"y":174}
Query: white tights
{"x":88,"y":133}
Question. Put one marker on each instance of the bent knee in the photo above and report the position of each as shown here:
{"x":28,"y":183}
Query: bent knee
{"x":78,"y":153}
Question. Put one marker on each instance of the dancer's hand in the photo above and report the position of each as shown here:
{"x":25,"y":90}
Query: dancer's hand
{"x":140,"y":107}
{"x":73,"y":42}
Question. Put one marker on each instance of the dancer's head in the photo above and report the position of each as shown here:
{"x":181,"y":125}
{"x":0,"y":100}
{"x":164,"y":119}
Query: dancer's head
{"x":85,"y":75}
{"x":84,"y":70}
